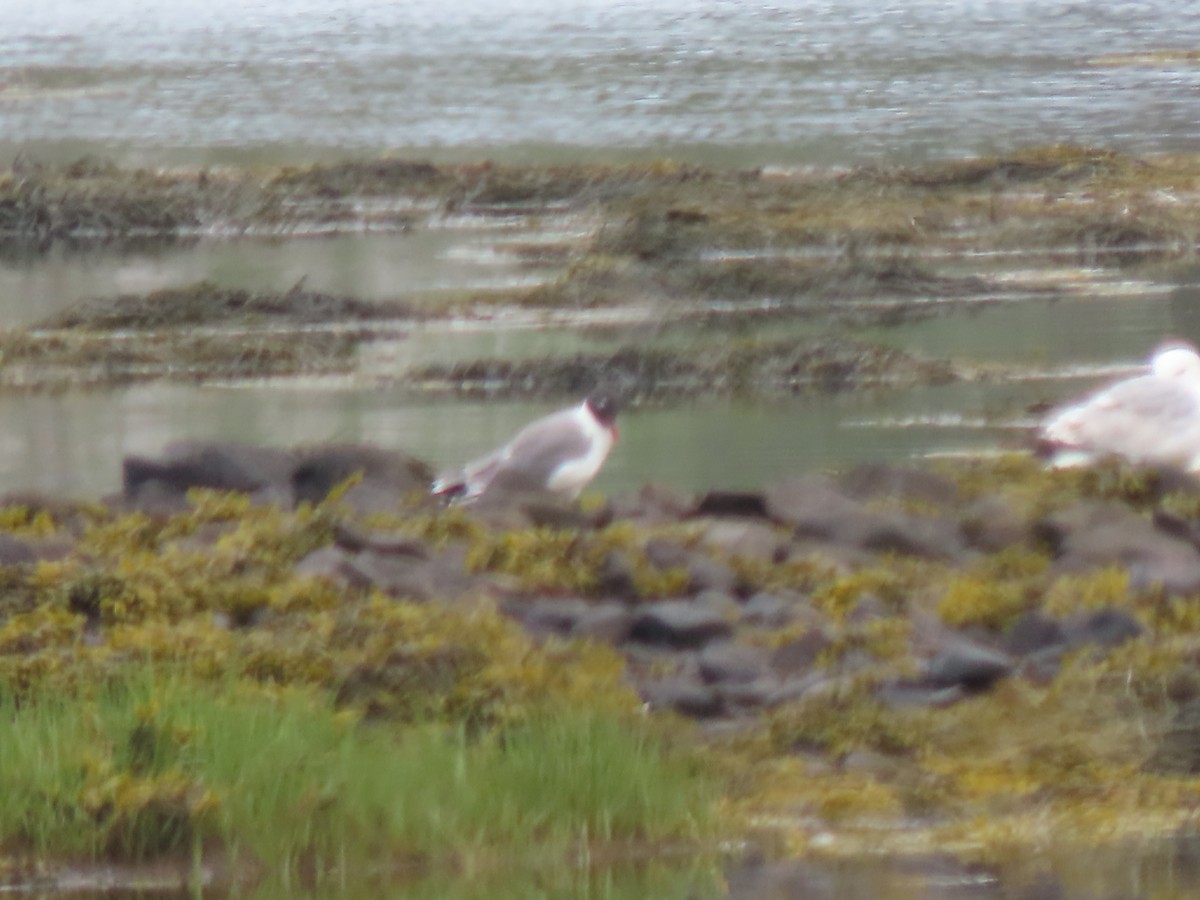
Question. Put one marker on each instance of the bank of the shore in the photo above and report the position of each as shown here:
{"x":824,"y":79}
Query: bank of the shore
{"x":980,"y":658}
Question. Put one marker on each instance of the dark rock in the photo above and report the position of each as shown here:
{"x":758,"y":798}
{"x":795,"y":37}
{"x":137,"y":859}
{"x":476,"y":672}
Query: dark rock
{"x":222,"y":466}
{"x":650,"y":661}
{"x":501,"y":511}
{"x":355,"y":539}
{"x":653,"y":505}
{"x":545,"y":617}
{"x":838,"y":558}
{"x":509,"y":509}
{"x":273,"y":475}
{"x":767,"y":609}
{"x":727,"y":662}
{"x":387,"y":479}
{"x":747,"y":539}
{"x":153,"y":498}
{"x":160,"y":486}
{"x":963,"y":662}
{"x":1172,"y":480}
{"x":1033,"y":632}
{"x":732,"y":503}
{"x":615,"y":576}
{"x":1041,"y":666}
{"x":1088,"y":536}
{"x":1174,"y":575}
{"x":50,"y":549}
{"x":919,"y":695}
{"x":1183,"y":686}
{"x":332,"y":564}
{"x":1107,"y":628}
{"x":1176,"y":526}
{"x":403,"y":577}
{"x":448,"y":571}
{"x":746,"y":696}
{"x":867,"y":608}
{"x":799,"y":656}
{"x":706,"y":574}
{"x":990,"y":524}
{"x":817,"y":510}
{"x":877,"y":481}
{"x":797,"y":687}
{"x":719,"y":601}
{"x":807,"y":504}
{"x":559,"y":513}
{"x":608,"y":622}
{"x":1129,"y":544}
{"x":906,"y":536}
{"x":14,"y":551}
{"x":684,"y":696}
{"x":1054,"y":529}
{"x":679,"y":623}
{"x":663,"y":554}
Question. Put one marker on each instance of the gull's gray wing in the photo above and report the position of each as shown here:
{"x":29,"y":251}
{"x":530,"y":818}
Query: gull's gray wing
{"x":540,"y":448}
{"x":525,"y":462}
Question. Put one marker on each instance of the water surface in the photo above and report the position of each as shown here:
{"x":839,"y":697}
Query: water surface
{"x":798,"y":81}
{"x":1028,"y":352}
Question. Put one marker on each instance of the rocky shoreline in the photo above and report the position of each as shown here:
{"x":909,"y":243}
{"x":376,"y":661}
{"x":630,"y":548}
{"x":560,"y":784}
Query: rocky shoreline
{"x":975,"y":657}
{"x":719,"y":556}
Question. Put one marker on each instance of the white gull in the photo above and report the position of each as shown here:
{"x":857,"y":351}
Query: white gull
{"x":1151,"y":419}
{"x":561,"y":452}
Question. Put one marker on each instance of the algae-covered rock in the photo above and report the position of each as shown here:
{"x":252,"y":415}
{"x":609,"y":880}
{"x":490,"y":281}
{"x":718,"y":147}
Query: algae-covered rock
{"x":679,"y":623}
{"x":382,"y":479}
{"x":962,"y":687}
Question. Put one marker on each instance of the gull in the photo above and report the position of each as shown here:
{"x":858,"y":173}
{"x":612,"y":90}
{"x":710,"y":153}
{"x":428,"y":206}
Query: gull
{"x":1151,"y":419}
{"x":560,"y":452}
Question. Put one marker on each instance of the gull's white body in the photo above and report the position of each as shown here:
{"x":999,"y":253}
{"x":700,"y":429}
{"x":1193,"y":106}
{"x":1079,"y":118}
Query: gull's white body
{"x":1150,"y":419}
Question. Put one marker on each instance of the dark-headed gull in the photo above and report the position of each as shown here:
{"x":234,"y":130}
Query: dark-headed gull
{"x":1150,"y":419}
{"x":560,"y":452}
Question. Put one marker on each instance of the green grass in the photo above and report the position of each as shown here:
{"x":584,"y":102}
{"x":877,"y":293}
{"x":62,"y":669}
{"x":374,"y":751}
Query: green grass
{"x":159,"y":764}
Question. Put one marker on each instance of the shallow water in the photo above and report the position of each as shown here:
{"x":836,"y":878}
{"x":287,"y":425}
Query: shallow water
{"x":378,"y":267}
{"x":1167,"y":868}
{"x":797,"y":81}
{"x":1033,"y":351}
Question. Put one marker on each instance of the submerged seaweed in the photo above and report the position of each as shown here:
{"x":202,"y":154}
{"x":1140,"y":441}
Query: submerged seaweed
{"x":750,"y":367}
{"x":205,"y":303}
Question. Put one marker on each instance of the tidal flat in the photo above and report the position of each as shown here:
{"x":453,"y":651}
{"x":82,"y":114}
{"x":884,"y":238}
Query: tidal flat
{"x":282,"y":681}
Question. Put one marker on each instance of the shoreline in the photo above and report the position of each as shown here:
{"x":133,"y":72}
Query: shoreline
{"x":969,"y":658}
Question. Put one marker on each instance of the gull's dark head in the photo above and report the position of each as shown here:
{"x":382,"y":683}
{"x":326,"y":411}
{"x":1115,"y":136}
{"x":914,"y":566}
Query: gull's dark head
{"x":604,"y":406}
